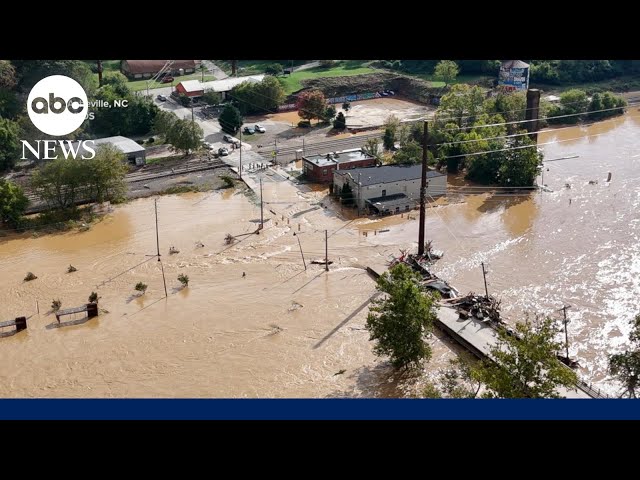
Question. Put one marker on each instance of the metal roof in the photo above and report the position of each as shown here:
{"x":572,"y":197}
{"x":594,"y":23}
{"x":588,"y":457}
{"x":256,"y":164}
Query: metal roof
{"x":124,"y":144}
{"x":344,"y":156}
{"x":514,"y":64}
{"x":228,"y":83}
{"x":191,"y":86}
{"x":387,"y":174}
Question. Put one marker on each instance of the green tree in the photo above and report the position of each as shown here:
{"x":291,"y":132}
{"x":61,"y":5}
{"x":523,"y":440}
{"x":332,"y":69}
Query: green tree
{"x":372,"y":148}
{"x":340,"y":123}
{"x":625,"y":366}
{"x":606,"y":101}
{"x":8,"y":76}
{"x":185,"y":135}
{"x":392,"y":123}
{"x":164,"y":121}
{"x":389,"y":139}
{"x":346,"y":106}
{"x":258,"y":97}
{"x":526,"y":367}
{"x":9,"y":104}
{"x":311,"y":104}
{"x":230,"y":119}
{"x":119,"y":83}
{"x":106,"y":174}
{"x":519,"y":166}
{"x":463,"y":103}
{"x":184,"y":100}
{"x":13,"y":202}
{"x":330,"y":113}
{"x":211,"y":97}
{"x":31,"y":72}
{"x":409,"y":154}
{"x":60,"y":182}
{"x":511,"y":106}
{"x":9,"y":143}
{"x":274,"y":69}
{"x":572,"y":102}
{"x":400,"y":322}
{"x":447,"y":71}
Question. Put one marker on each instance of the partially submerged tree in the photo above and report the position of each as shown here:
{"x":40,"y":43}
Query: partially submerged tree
{"x":625,"y":366}
{"x":141,"y":287}
{"x":525,"y":365}
{"x":183,"y":279}
{"x":229,"y":239}
{"x":93,"y":298}
{"x":13,"y":202}
{"x":30,"y":276}
{"x":400,"y":322}
{"x":55,"y":305}
{"x":71,"y":269}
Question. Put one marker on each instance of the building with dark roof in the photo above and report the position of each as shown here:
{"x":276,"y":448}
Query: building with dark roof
{"x":320,"y":168}
{"x":139,"y":69}
{"x":389,"y":188}
{"x":135,"y":154}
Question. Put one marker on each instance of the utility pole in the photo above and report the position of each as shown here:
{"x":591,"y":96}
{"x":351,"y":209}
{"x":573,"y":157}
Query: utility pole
{"x":261,"y":207}
{"x":565,"y":321}
{"x":326,"y":250}
{"x":359,"y":194}
{"x":240,"y":169}
{"x":275,"y":150}
{"x":484,"y":276}
{"x":533,"y":113}
{"x":303,"y":145}
{"x":192,"y":119}
{"x":423,"y":188}
{"x":164,"y":280}
{"x":302,"y":254}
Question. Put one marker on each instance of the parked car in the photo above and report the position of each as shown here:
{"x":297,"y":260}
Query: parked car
{"x":384,"y":94}
{"x":260,"y":128}
{"x":249,"y":130}
{"x":162,"y":98}
{"x":167,"y":79}
{"x":207,"y":145}
{"x":230,"y":139}
{"x":224,"y":151}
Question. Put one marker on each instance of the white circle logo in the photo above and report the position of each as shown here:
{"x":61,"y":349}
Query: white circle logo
{"x":57,"y":105}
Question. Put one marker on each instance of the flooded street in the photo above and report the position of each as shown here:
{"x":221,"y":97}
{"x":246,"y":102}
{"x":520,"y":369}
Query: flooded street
{"x":283,"y":331}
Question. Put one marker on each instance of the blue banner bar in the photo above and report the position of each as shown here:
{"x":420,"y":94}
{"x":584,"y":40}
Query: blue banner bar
{"x":316,"y":409}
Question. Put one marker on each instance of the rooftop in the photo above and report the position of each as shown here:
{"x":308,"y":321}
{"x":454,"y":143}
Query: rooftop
{"x":191,"y":86}
{"x":219,"y":85}
{"x":514,"y":64}
{"x":124,"y":144}
{"x":344,"y":156}
{"x":388,"y":174}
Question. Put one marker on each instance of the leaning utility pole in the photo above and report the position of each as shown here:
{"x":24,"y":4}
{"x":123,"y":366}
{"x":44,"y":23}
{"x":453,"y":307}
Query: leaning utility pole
{"x":533,"y":113}
{"x":423,"y":188}
{"x":484,"y":276}
{"x":164,"y":280}
{"x":326,"y":250}
{"x":302,"y":254}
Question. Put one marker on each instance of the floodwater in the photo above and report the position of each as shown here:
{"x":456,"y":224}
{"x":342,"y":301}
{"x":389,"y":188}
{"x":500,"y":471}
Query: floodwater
{"x":282,"y":331}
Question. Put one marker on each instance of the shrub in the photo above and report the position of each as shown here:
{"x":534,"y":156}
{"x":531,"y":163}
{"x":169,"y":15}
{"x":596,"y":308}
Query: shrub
{"x":71,"y":269}
{"x":93,"y":298}
{"x":229,"y":239}
{"x":327,"y":63}
{"x":304,"y":124}
{"x":141,"y":287}
{"x":183,"y":279}
{"x":30,"y":276}
{"x":55,"y":305}
{"x":228,"y":181}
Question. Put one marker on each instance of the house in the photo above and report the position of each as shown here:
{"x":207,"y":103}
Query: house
{"x":389,"y":188}
{"x":139,"y":69}
{"x":196,"y":88}
{"x":134,"y":152}
{"x":320,"y":168}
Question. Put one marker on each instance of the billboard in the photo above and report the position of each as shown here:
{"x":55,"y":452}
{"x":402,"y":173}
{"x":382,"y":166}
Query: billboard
{"x":513,"y":79}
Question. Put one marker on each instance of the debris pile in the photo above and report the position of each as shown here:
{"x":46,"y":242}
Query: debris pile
{"x":479,"y":306}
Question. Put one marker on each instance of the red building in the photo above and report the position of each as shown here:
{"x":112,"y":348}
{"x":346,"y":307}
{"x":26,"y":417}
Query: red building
{"x":320,"y":168}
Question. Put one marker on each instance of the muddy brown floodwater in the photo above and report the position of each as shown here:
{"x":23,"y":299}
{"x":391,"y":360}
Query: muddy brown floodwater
{"x":281,"y":331}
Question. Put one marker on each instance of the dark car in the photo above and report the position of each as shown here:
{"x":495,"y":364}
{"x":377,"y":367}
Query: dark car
{"x":167,"y":79}
{"x":249,"y":130}
{"x":162,"y":98}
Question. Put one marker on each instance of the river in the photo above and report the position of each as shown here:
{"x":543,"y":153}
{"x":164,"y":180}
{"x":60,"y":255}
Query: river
{"x":282,"y":331}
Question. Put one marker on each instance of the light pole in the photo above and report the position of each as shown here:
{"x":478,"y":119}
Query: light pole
{"x":240,"y":169}
{"x":359,"y":189}
{"x":565,"y":321}
{"x":302,"y":254}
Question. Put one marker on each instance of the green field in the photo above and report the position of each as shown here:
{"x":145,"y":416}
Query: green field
{"x":437,"y":83}
{"x":292,"y":83}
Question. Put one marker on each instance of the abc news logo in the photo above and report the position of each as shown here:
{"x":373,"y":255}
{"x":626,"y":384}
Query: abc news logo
{"x":55,"y":106}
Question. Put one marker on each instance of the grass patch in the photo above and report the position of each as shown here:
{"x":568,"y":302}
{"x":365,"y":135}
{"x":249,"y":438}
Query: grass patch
{"x":137,"y":85}
{"x":255,"y":67}
{"x":57,"y":221}
{"x":293,"y":83}
{"x":627,"y":83}
{"x":471,"y":79}
{"x":159,"y":160}
{"x":227,"y":180}
{"x":181,"y":189}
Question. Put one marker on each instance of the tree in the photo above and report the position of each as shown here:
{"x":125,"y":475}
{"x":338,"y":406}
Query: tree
{"x":346,"y":106}
{"x":164,"y":121}
{"x":183,"y":279}
{"x":106,"y":174}
{"x":9,"y":104}
{"x":13,"y":202}
{"x":340,"y":123}
{"x":274,"y":69}
{"x":311,"y":104}
{"x":372,"y":148}
{"x":330,"y":113}
{"x":606,"y":101}
{"x":118,"y":81}
{"x":184,"y":100}
{"x":141,"y":287}
{"x":389,"y":139}
{"x":463,"y":103}
{"x":327,"y":63}
{"x":447,"y":71}
{"x":526,"y":366}
{"x":185,"y":135}
{"x":392,"y":123}
{"x":230,"y":119}
{"x":519,"y":166}
{"x":410,"y":154}
{"x":572,"y":102}
{"x":211,"y":97}
{"x":8,"y":77}
{"x":9,"y":143}
{"x":625,"y":366}
{"x":261,"y":97}
{"x":60,"y":182}
{"x":400,"y":322}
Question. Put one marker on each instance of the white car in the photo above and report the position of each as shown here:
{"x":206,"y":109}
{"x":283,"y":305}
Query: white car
{"x":230,"y":139}
{"x":260,"y":128}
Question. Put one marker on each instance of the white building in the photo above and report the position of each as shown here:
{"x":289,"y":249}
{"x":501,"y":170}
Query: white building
{"x":389,"y":188}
